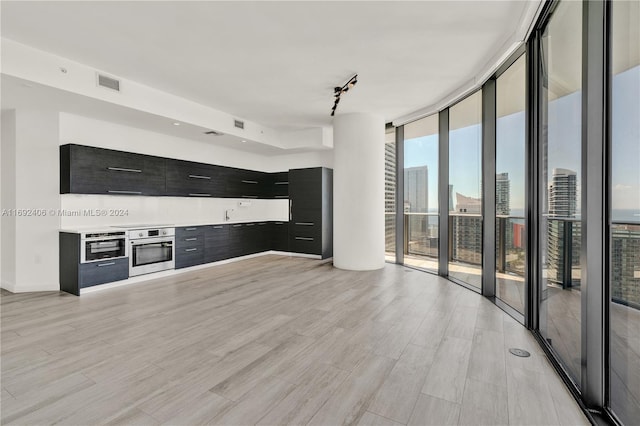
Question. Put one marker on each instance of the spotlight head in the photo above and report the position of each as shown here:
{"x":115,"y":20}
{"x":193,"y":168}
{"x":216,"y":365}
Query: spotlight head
{"x":346,"y":89}
{"x":337,"y":89}
{"x":333,"y":113}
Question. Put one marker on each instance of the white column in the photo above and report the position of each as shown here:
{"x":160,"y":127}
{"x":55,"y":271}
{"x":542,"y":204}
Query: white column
{"x":358,"y":192}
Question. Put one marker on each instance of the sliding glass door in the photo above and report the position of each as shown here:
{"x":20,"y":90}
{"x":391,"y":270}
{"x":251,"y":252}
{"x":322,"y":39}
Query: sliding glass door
{"x":465,"y":190}
{"x":420,"y":202}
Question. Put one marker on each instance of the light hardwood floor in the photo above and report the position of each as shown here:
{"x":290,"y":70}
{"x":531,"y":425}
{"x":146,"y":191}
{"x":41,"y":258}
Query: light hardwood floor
{"x":274,"y":340}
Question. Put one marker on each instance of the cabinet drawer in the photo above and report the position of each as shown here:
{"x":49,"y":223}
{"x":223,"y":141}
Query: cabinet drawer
{"x":189,"y":256}
{"x":305,"y":229}
{"x":307,"y":245}
{"x":190,"y":231}
{"x":190,"y":241}
{"x":106,"y":271}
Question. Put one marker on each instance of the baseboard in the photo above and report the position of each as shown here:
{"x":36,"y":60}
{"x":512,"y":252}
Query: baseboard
{"x":11,"y":287}
{"x":173,"y":272}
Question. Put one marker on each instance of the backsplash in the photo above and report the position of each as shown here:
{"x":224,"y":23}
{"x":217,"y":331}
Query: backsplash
{"x":78,"y":210}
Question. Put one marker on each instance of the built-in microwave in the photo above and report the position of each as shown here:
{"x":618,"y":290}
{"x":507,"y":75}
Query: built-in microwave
{"x":97,"y":246}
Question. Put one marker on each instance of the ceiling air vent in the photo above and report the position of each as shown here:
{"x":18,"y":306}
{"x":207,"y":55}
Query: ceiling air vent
{"x":108,"y":82}
{"x":239,"y":124}
{"x":213,"y":132}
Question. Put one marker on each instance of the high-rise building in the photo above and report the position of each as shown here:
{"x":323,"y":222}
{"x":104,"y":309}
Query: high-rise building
{"x":503,"y":194}
{"x":563,"y":233}
{"x":416,"y":189}
{"x":389,"y":194}
{"x":467,"y":230}
{"x":625,"y":264}
{"x":562,"y":193}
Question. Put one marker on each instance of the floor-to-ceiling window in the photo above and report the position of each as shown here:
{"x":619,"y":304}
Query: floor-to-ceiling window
{"x":559,"y":186}
{"x":510,"y":185}
{"x":420,"y":206}
{"x":624,"y":325}
{"x":390,"y":194}
{"x":465,"y":190}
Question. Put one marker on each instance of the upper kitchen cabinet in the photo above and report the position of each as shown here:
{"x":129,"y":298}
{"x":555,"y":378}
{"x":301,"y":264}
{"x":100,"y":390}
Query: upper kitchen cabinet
{"x":242,"y":183}
{"x":279,"y":185}
{"x":89,"y":170}
{"x":311,"y":211}
{"x":189,"y":179}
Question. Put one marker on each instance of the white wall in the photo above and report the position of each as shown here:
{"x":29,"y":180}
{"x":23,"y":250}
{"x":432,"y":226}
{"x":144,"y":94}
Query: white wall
{"x":8,"y":199}
{"x":32,"y":174}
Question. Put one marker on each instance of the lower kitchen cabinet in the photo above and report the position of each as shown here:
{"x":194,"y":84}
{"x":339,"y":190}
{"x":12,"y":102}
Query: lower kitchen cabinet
{"x":216,"y":243}
{"x":74,"y":275}
{"x":101,"y":272}
{"x":189,"y":248}
{"x":280,"y":236}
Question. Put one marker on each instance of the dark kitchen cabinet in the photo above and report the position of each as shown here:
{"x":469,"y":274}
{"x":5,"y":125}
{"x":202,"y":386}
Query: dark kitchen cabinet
{"x":279,"y":236}
{"x":311,"y":211}
{"x":89,"y":170}
{"x":107,"y":271}
{"x":189,"y":179}
{"x":279,"y":185}
{"x":190,"y":241}
{"x":245,"y":183}
{"x":216,"y":243}
{"x":74,"y":275}
{"x":237,"y":233}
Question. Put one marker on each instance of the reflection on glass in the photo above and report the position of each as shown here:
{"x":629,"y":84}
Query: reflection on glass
{"x":510,"y":187}
{"x":421,"y":193}
{"x":560,"y":304}
{"x":465,"y":190}
{"x":625,"y":214}
{"x":390,"y":194}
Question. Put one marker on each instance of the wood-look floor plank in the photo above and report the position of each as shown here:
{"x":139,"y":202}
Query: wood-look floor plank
{"x":400,"y":391}
{"x":351,"y":399}
{"x":448,"y":372}
{"x":434,"y":411}
{"x":297,"y":408}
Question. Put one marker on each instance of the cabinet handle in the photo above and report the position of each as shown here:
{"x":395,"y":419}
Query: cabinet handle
{"x":124,"y":192}
{"x":250,"y":181}
{"x":190,"y":229}
{"x":250,"y":224}
{"x":199,"y":177}
{"x":262,"y":223}
{"x":191,"y":239}
{"x":304,"y":238}
{"x":282,"y":183}
{"x":249,"y":196}
{"x":305,"y":223}
{"x":237,"y":226}
{"x":106,"y":264}
{"x":290,"y":207}
{"x":122,"y":169}
{"x":199,"y":194}
{"x":279,"y":223}
{"x":282,"y":196}
{"x":217,"y":227}
{"x":191,"y":249}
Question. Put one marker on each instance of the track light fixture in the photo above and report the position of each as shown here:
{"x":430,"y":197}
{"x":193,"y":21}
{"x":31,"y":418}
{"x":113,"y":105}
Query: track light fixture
{"x":338,"y":91}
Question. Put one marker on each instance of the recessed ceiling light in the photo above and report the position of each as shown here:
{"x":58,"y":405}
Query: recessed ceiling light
{"x":176,"y":123}
{"x":243,"y":141}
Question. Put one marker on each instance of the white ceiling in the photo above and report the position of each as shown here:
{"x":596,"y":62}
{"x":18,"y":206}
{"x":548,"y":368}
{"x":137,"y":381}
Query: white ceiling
{"x":276,"y":63}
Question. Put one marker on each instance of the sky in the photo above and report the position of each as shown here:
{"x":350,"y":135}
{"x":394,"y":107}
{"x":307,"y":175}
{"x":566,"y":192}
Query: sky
{"x":564,"y":148}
